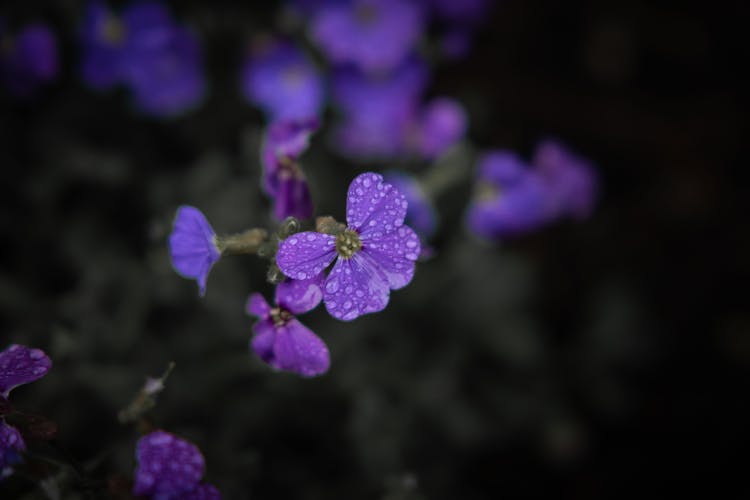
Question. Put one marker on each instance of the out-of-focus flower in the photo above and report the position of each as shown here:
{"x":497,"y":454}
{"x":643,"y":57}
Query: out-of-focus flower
{"x":571,"y":180}
{"x":280,"y":78}
{"x":19,"y":365}
{"x":28,"y":59}
{"x":170,"y":468}
{"x":158,"y":59}
{"x":378,"y":113}
{"x":443,"y":123}
{"x":510,"y":198}
{"x":280,"y":339}
{"x":421,"y":214}
{"x":464,"y":12}
{"x":11,"y":446}
{"x":376,"y":252}
{"x":192,"y":246}
{"x":283,"y":178}
{"x":375,"y":35}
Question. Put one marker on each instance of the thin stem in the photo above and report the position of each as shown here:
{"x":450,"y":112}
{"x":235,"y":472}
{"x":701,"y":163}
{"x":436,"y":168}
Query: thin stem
{"x":243,"y":243}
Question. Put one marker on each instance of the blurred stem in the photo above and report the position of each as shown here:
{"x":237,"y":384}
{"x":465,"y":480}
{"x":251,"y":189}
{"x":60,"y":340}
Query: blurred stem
{"x":247,"y":242}
{"x":447,"y":171}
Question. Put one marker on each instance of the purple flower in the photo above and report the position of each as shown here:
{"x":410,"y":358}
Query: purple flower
{"x":281,"y":80}
{"x":375,"y":35}
{"x":160,"y":60}
{"x":192,"y":246}
{"x":28,"y":59}
{"x":376,"y":251}
{"x":464,"y":12}
{"x":21,"y":365}
{"x":104,"y":37}
{"x":283,"y":179}
{"x":170,"y":468}
{"x":378,"y":113}
{"x":571,"y":180}
{"x":11,"y":446}
{"x":443,"y":124}
{"x":421,"y":214}
{"x":282,"y":341}
{"x":511,"y":199}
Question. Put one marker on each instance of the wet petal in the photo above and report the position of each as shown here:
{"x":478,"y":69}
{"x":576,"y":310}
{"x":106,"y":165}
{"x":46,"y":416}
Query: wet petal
{"x":304,"y":255}
{"x":20,"y":365}
{"x":257,"y":306}
{"x":395,"y":254}
{"x":11,"y":443}
{"x":299,"y":350}
{"x":292,"y":198}
{"x":192,"y":246}
{"x":373,"y":207}
{"x":355,"y":287}
{"x":265,"y":336}
{"x":167,"y":465}
{"x":300,"y":296}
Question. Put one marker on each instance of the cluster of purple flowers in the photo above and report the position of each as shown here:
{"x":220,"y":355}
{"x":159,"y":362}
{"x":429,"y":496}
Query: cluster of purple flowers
{"x":513,"y":198}
{"x":28,"y":58}
{"x":19,"y":365}
{"x":145,"y":49}
{"x":375,"y":252}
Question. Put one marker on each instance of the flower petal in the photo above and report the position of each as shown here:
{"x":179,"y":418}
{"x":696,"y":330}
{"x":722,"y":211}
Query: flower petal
{"x":292,"y":198}
{"x":166,"y":465}
{"x":299,"y":350}
{"x":20,"y":365}
{"x":11,"y":443}
{"x":265,"y":336}
{"x":395,"y":254}
{"x":257,"y":306}
{"x":304,"y":255}
{"x":355,"y":287}
{"x":300,"y":296}
{"x":202,"y":492}
{"x":192,"y":247}
{"x":374,"y":208}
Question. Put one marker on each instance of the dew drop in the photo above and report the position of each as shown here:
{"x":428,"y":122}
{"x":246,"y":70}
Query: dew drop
{"x":411,"y":243}
{"x":36,"y":354}
{"x":310,"y":237}
{"x":332,"y":286}
{"x":301,"y":275}
{"x":366,"y":182}
{"x":293,"y":241}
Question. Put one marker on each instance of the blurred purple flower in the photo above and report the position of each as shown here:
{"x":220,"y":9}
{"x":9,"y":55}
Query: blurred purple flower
{"x":11,"y":446}
{"x":375,"y":35}
{"x":378,"y":113}
{"x":421,"y":214}
{"x":170,"y":468}
{"x":192,"y":246}
{"x":463,"y":12}
{"x":280,"y":79}
{"x":28,"y":59}
{"x":283,"y":178}
{"x":510,"y":200}
{"x":280,"y":339}
{"x":376,"y":251}
{"x":443,"y":123}
{"x":571,"y":180}
{"x":160,"y":60}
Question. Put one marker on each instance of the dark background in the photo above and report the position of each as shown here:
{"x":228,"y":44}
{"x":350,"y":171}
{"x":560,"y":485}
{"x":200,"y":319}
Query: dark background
{"x":588,"y":360}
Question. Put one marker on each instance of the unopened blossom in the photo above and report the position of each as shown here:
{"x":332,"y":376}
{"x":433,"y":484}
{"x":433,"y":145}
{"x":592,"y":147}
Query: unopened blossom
{"x":378,"y":113}
{"x":280,"y":339}
{"x":374,"y":253}
{"x":28,"y":58}
{"x":283,"y":178}
{"x":280,"y":78}
{"x":510,"y":198}
{"x":19,"y":365}
{"x":170,"y":468}
{"x":421,"y":214}
{"x":570,"y":179}
{"x":375,"y":35}
{"x":192,"y":246}
{"x":442,"y":124}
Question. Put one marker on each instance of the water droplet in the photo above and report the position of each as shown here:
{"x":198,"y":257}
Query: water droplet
{"x":332,"y":286}
{"x":36,"y":354}
{"x":366,"y":182}
{"x":347,"y":305}
{"x":359,"y":191}
{"x":293,"y":241}
{"x":411,"y":256}
{"x":411,"y":243}
{"x":349,"y":290}
{"x":310,"y":237}
{"x":39,"y":370}
{"x":301,"y":275}
{"x":373,"y":222}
